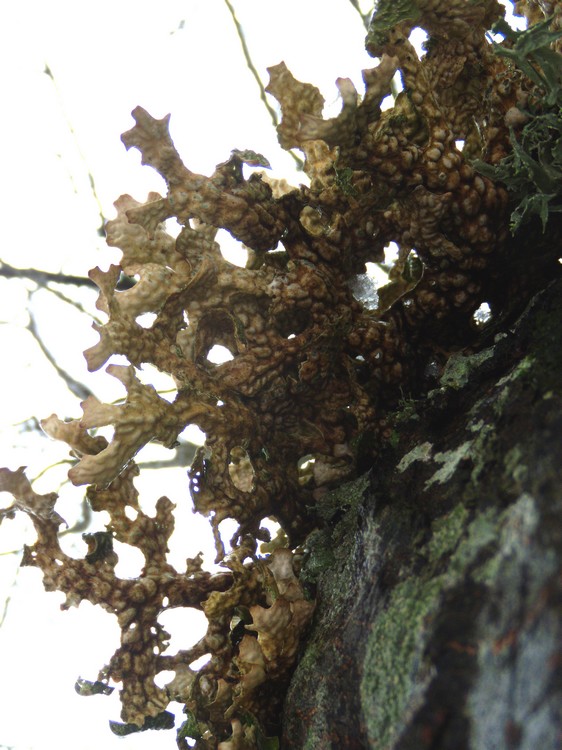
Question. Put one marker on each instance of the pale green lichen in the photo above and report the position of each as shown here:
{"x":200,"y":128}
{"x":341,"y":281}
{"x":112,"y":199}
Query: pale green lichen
{"x":503,"y":386}
{"x":449,"y":461}
{"x":421,"y":452}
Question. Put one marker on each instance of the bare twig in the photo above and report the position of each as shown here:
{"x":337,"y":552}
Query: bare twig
{"x":101,"y":231}
{"x":74,"y":386}
{"x":254,"y":72}
{"x":42,"y":278}
{"x":9,"y":595}
{"x":74,"y":302}
{"x":365,"y":17}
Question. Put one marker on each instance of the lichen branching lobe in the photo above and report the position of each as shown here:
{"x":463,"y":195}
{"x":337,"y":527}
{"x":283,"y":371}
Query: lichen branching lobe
{"x":313,"y":370}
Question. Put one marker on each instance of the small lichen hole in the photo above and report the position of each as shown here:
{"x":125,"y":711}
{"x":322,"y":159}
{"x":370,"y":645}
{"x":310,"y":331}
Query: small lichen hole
{"x":173,"y":227}
{"x":131,"y":513}
{"x":200,"y":662}
{"x":391,"y":252}
{"x":146,"y":320}
{"x":364,"y":289}
{"x":397,"y":86}
{"x":163,"y":678}
{"x":482,"y":315}
{"x":231,"y":250}
{"x":241,"y":470}
{"x":418,"y":38}
{"x":305,"y":468}
{"x":271,"y":525}
{"x":271,"y":535}
{"x":192,"y":434}
{"x":219,"y":354}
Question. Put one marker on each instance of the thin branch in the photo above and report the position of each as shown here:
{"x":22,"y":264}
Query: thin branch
{"x":74,"y":386}
{"x":62,"y":462}
{"x":254,"y":72}
{"x":365,"y":17}
{"x":73,"y":302}
{"x":101,"y":231}
{"x":8,"y":599}
{"x":42,"y":278}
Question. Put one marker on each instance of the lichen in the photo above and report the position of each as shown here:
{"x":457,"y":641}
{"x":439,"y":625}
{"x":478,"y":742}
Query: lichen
{"x":421,"y":452}
{"x":314,"y":371}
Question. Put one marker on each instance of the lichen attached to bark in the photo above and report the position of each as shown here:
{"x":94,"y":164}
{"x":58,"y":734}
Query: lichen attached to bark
{"x":313,"y":370}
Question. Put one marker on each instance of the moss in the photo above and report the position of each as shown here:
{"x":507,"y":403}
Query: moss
{"x":395,"y":669}
{"x":446,"y":532}
{"x":393,"y":666}
{"x":339,"y":509}
{"x":319,"y":557}
{"x":545,"y":341}
{"x":533,"y":169}
{"x":514,"y":465}
{"x":346,"y":497}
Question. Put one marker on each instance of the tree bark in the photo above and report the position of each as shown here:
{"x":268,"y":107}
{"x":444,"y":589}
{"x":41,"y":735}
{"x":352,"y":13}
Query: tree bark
{"x":438,"y":574}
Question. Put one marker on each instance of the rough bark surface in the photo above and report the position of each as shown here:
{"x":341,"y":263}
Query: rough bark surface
{"x":438,"y":574}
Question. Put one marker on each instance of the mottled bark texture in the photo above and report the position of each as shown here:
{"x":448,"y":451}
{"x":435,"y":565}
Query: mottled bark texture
{"x":438,"y":574}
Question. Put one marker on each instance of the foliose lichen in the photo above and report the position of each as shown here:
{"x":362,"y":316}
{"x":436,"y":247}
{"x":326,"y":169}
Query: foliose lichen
{"x":313,"y":370}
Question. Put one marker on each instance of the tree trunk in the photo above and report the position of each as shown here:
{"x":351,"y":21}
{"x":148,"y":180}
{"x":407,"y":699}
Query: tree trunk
{"x":438,"y":574}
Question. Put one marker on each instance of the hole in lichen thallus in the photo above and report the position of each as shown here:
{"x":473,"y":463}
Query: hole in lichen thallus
{"x":305,"y":468}
{"x":219,"y":337}
{"x":231,"y":250}
{"x":218,"y":354}
{"x":482,"y":315}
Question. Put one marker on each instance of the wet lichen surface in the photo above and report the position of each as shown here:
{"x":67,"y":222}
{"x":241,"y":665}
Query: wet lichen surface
{"x":310,"y":396}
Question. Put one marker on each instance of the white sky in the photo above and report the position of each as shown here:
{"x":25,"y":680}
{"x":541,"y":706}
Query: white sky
{"x":106,"y":58}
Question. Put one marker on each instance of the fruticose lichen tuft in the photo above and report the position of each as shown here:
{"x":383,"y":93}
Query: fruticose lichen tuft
{"x":313,"y":370}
